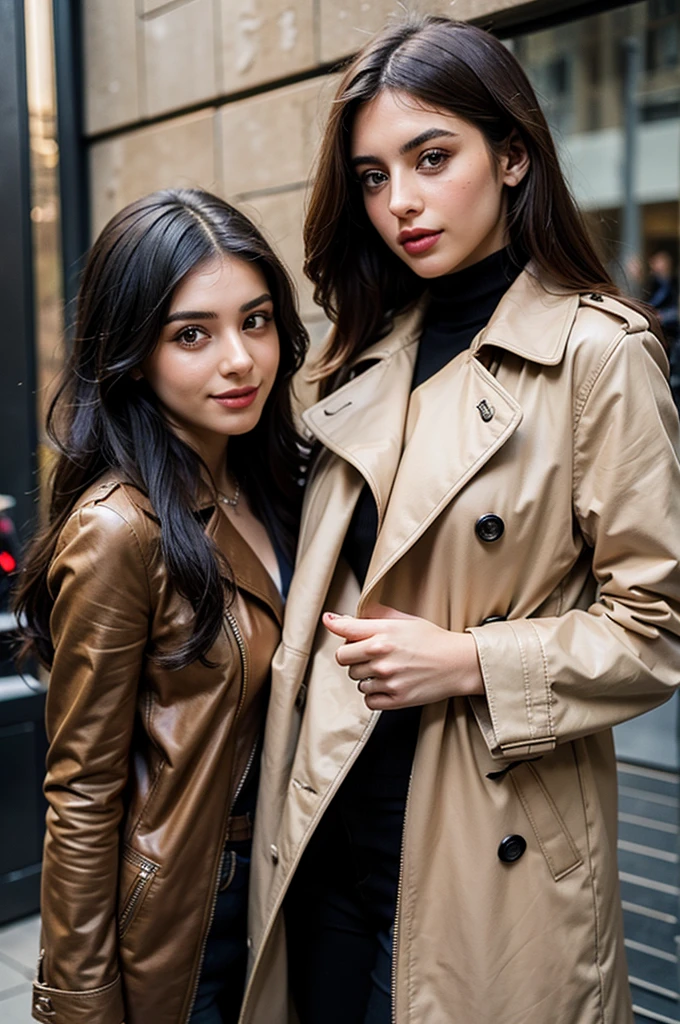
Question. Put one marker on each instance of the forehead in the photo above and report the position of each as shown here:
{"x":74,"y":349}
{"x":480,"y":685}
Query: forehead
{"x":394,"y":117}
{"x":223,"y":279}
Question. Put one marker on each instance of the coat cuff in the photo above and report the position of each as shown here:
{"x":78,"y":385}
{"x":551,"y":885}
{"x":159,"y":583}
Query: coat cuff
{"x":515,"y":716}
{"x":96,"y":1006}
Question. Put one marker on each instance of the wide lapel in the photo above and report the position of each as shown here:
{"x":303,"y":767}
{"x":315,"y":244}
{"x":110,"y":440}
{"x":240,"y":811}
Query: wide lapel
{"x":362,"y":423}
{"x":458,"y":420}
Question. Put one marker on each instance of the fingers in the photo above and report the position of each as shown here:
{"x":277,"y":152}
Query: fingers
{"x":349,"y":627}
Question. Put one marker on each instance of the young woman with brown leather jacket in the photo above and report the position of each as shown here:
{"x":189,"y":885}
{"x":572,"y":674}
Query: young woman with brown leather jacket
{"x":154,"y":594}
{"x":492,"y":529}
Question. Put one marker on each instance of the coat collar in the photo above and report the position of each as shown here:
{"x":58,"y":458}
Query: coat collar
{"x":418,"y":450}
{"x":531,"y":321}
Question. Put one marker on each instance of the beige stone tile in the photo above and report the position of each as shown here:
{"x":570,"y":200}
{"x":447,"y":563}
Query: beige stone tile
{"x":149,"y":6}
{"x":17,"y":1008}
{"x":110,"y":58}
{"x":270,"y":141}
{"x":345,"y":25}
{"x":264,"y":39}
{"x":179,"y":57}
{"x":176,"y":153}
{"x":280,"y":217}
{"x":19,"y":943}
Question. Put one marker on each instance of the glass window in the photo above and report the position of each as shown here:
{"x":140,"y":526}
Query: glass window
{"x":44,"y":150}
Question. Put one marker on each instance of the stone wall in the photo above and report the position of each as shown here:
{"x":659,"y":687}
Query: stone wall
{"x":226,"y":94}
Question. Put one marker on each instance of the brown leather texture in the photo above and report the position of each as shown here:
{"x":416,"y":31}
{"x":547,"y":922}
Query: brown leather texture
{"x":573,"y":445}
{"x":143,"y":764}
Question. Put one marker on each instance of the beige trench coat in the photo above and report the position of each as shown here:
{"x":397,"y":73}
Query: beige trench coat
{"x":572,"y":442}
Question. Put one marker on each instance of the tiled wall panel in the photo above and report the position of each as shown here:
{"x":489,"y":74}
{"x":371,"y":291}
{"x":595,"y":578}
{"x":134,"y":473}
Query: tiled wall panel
{"x":179,"y":152}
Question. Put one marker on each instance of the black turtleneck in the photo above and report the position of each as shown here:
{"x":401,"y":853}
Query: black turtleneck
{"x":461,"y":304}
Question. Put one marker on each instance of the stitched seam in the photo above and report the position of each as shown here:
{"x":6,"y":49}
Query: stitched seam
{"x":546,"y":680}
{"x":528,"y":705}
{"x":527,"y":810}
{"x":554,"y":809}
{"x":596,"y":913}
{"x":146,"y":803}
{"x":77,"y":995}
{"x":138,"y":859}
{"x":137,"y":542}
{"x":490,"y":700}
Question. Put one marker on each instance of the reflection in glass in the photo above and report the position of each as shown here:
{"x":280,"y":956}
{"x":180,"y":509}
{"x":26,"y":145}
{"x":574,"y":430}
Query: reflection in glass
{"x":44,"y":151}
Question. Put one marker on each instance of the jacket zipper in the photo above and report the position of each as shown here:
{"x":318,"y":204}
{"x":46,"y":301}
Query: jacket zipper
{"x":395,"y":932}
{"x":240,"y":643}
{"x":146,"y":873}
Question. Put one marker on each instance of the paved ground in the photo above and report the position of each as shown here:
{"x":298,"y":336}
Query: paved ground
{"x":18,"y":954}
{"x":650,"y":889}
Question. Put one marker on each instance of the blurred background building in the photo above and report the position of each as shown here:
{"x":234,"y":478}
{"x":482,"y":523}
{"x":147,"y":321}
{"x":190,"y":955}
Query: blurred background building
{"x":102,"y":101}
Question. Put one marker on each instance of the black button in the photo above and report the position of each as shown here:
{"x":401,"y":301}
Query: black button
{"x":595,"y":297}
{"x":511,"y":849}
{"x":494,"y":618}
{"x":489,"y":527}
{"x":301,"y":697}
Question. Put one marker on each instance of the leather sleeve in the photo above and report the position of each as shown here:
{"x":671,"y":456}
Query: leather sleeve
{"x":549,"y":680}
{"x":99,"y":625}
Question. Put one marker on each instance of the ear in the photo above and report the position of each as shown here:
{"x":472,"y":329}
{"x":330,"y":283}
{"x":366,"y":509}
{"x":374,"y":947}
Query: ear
{"x":515,"y":162}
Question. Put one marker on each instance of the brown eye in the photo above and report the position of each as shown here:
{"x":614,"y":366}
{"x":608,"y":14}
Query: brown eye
{"x":256,"y":320}
{"x":190,"y":337}
{"x":373,"y":179}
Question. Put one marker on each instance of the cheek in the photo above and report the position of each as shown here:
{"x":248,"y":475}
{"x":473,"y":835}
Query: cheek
{"x":174,"y":378}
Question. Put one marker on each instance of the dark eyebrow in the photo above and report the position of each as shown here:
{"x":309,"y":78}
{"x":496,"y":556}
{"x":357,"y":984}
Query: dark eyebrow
{"x":190,"y":314}
{"x":247,"y":306}
{"x":430,"y":133}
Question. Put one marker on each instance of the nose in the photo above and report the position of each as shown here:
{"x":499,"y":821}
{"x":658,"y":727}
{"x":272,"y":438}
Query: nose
{"x":235,"y":358}
{"x":405,"y":200}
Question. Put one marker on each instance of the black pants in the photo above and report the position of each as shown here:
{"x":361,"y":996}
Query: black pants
{"x":341,"y":905}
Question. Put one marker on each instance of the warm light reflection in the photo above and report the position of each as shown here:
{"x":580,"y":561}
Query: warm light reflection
{"x":44,"y":149}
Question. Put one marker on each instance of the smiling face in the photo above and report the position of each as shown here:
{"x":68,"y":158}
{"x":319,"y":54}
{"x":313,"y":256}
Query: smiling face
{"x":432,"y":189}
{"x":216,"y":359}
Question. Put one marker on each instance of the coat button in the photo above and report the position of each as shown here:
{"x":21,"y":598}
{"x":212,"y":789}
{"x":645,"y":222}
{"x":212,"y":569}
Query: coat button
{"x":301,"y":697}
{"x":595,"y":297}
{"x":511,"y":849}
{"x":489,"y":527}
{"x":44,"y":1005}
{"x":494,"y":618}
{"x":274,"y":850}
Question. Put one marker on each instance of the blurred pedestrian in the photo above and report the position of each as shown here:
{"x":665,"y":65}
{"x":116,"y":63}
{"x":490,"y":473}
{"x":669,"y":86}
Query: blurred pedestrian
{"x":663,"y":296}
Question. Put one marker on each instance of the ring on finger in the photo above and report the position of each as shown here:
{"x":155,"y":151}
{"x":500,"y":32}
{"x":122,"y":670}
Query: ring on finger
{"x":366,"y":679}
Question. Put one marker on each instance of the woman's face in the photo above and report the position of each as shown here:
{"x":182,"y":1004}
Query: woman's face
{"x":432,"y":189}
{"x":216,"y":359}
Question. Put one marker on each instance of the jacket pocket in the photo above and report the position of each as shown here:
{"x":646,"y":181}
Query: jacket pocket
{"x":552,"y":835}
{"x":137,"y":875}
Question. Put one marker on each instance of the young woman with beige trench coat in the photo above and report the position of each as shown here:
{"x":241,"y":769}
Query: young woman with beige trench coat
{"x":503,"y":420}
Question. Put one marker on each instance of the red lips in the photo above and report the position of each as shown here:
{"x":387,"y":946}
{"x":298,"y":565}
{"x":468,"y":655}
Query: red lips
{"x":237,"y":398}
{"x":417,"y":240}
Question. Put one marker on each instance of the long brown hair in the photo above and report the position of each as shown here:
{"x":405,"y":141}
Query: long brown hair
{"x":102,"y":419}
{"x":358,"y":281}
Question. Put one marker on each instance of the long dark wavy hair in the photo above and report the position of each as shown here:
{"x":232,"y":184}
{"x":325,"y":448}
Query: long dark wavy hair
{"x":102,"y":419}
{"x":360,"y":283}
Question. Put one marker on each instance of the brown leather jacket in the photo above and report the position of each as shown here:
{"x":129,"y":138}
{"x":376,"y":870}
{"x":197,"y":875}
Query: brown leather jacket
{"x":143,"y":765}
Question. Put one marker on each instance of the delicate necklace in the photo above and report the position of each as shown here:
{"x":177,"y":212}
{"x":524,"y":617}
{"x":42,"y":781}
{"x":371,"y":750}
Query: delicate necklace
{"x":232,"y":502}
